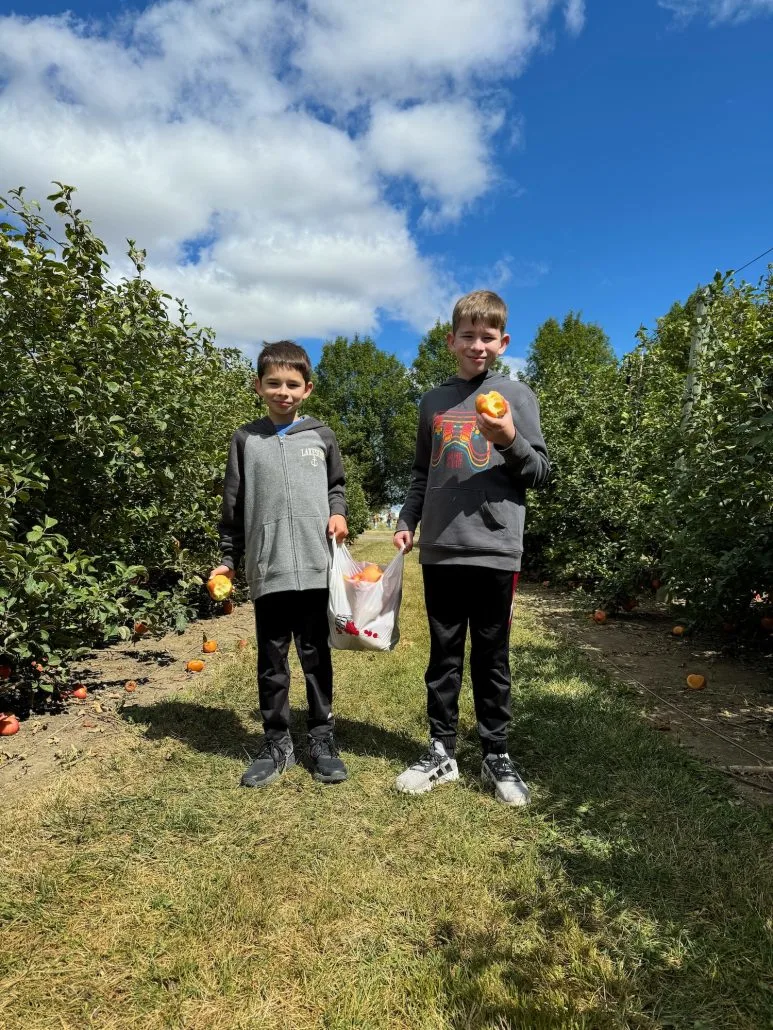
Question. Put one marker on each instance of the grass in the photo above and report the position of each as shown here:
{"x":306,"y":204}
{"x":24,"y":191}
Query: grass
{"x":149,"y":891}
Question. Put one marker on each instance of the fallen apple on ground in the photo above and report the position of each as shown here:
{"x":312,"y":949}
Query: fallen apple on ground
{"x":9,"y":725}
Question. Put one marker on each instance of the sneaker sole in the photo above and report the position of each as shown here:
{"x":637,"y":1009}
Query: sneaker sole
{"x":427,"y":787}
{"x":258,"y":784}
{"x":489,"y":781}
{"x":332,"y":778}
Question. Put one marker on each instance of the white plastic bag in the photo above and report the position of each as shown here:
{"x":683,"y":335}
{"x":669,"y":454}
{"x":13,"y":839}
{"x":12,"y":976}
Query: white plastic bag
{"x":363,"y":616}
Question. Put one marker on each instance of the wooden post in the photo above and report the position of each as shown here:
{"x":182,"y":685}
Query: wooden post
{"x":692,"y":386}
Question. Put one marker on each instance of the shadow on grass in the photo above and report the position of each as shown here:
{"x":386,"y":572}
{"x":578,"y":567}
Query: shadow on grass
{"x":648,"y":906}
{"x":219,"y":730}
{"x":665,"y":873}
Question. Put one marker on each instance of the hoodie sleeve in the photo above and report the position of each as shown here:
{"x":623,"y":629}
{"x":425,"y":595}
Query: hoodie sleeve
{"x":336,"y":478}
{"x":527,"y":456}
{"x":410,"y":513}
{"x":231,"y":525}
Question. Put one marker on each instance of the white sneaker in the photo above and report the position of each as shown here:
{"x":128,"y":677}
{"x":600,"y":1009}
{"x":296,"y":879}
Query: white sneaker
{"x":499,"y":772}
{"x":436,"y":766}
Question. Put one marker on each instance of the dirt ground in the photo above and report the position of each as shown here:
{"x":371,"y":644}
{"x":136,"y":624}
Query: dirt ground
{"x":85,"y":730}
{"x":729,"y":724}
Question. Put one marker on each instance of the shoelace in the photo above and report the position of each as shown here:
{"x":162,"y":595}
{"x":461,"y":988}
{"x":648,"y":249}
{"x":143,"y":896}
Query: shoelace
{"x":502,"y":768}
{"x":431,"y":759}
{"x":324,"y":748}
{"x":270,"y":749}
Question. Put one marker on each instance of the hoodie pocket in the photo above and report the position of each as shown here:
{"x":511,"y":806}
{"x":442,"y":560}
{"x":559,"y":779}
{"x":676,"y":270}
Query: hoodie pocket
{"x":263,"y":555}
{"x":506,"y":517}
{"x":312,"y":550}
{"x":467,"y":520}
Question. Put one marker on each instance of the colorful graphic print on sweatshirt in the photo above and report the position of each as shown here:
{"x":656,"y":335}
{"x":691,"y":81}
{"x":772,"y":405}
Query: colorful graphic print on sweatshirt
{"x":457,"y":442}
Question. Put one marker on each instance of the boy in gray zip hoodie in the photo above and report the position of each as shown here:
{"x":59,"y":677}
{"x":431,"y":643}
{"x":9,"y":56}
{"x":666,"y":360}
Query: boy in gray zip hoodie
{"x":283,"y":497}
{"x":467,"y":489}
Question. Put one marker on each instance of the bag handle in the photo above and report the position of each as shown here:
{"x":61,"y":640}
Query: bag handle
{"x":336,"y":545}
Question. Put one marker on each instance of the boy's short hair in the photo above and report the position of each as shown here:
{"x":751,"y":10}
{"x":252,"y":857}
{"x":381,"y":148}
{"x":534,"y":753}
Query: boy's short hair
{"x":286,"y":354}
{"x":481,"y":306}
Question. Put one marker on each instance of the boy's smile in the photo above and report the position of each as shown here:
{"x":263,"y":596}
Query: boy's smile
{"x":476,"y":347}
{"x":283,"y":389}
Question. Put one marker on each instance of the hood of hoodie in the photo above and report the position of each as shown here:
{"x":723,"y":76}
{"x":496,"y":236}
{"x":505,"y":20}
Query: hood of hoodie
{"x":266,"y":427}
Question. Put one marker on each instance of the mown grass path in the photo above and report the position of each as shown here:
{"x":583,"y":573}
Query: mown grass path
{"x":152,"y":892}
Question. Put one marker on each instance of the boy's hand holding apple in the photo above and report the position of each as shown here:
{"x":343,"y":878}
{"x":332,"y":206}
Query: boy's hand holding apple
{"x":498,"y":429}
{"x":222,"y":570}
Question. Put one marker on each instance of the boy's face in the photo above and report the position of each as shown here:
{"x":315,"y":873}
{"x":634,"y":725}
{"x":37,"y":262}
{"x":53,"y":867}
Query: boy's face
{"x":283,"y":389}
{"x":476,"y":347}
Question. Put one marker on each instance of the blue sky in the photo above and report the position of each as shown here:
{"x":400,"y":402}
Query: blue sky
{"x":304,"y":170}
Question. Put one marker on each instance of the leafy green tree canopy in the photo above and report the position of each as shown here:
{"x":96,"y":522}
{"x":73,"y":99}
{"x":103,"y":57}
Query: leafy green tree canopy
{"x":367,"y":397}
{"x":434,"y":363}
{"x":573,"y":343}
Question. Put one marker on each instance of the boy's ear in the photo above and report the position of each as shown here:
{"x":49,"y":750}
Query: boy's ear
{"x":256,"y":384}
{"x":505,"y":341}
{"x":450,"y":340}
{"x":309,"y":388}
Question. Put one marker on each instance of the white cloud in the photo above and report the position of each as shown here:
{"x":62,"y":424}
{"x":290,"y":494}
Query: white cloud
{"x":407,"y":49}
{"x":514,"y":364}
{"x":519,"y":274}
{"x":443,"y":146}
{"x":200,"y":120}
{"x":574,"y":15}
{"x":717,"y":11}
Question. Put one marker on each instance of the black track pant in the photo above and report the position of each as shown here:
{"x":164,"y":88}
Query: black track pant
{"x":458,"y":596}
{"x":280,"y":618}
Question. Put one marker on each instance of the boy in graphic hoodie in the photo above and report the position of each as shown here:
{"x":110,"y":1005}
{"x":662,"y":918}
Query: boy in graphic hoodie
{"x":468,"y":485}
{"x":283,"y":497}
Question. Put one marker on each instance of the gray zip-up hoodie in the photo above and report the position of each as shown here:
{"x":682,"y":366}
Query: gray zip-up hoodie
{"x":279,"y":493}
{"x":468,"y":494}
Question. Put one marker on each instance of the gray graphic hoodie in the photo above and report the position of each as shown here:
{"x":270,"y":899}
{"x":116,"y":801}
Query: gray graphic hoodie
{"x":468,"y":494}
{"x":279,"y":493}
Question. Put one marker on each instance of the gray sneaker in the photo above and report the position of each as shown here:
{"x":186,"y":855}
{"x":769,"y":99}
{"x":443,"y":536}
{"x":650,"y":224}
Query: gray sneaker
{"x":273,"y":758}
{"x":326,"y":760}
{"x":436,"y":766}
{"x":499,"y":772}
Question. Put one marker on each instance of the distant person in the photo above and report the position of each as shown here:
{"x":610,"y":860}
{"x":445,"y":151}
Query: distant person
{"x":389,"y":521}
{"x":283,"y":497}
{"x":468,"y":486}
